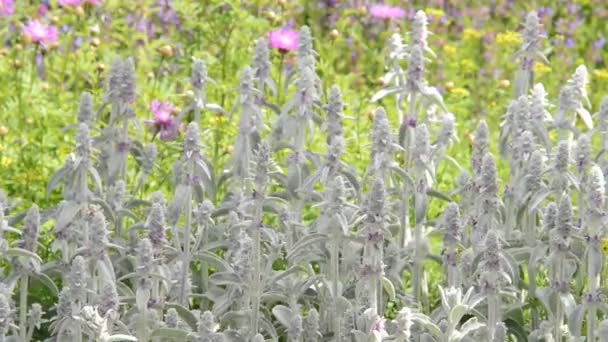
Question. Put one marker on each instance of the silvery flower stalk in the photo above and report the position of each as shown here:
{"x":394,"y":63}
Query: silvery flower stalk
{"x":528,"y":54}
{"x":249,"y":131}
{"x":452,"y":226}
{"x":561,"y":265}
{"x":121,"y":95}
{"x":147,"y":161}
{"x":78,"y":286}
{"x":262,"y":68}
{"x":6,"y":315}
{"x":204,"y":223}
{"x":262,"y":168}
{"x":492,"y":277}
{"x":375,"y":226}
{"x":312,"y":330}
{"x":422,"y":164}
{"x":603,"y":331}
{"x":334,"y":223}
{"x":144,"y":271}
{"x":572,"y":100}
{"x":595,"y":234}
{"x":31,"y":230}
{"x":540,"y":117}
{"x":602,"y":126}
{"x":193,"y":178}
{"x":562,"y":178}
{"x":582,"y":163}
{"x":481,"y":146}
{"x":102,"y":269}
{"x":486,"y":204}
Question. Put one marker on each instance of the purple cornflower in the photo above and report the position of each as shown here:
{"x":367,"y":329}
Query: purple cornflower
{"x":386,"y":12}
{"x":41,"y":33}
{"x":7,"y":7}
{"x":284,"y":39}
{"x":163,"y":122}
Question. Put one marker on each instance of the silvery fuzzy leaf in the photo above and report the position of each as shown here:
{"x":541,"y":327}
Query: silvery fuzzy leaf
{"x":596,"y":261}
{"x":68,"y":210}
{"x":302,"y":244}
{"x":537,"y":199}
{"x":57,"y":178}
{"x":214,"y":108}
{"x":389,"y":288}
{"x":575,"y":319}
{"x":269,"y":328}
{"x":283,"y":314}
{"x":585,"y":116}
{"x":456,"y":313}
{"x":22,"y":253}
{"x":568,"y":302}
{"x":184,"y":314}
{"x":119,"y":337}
{"x":213,"y":259}
{"x":421,"y":205}
{"x":96,"y":178}
{"x":141,"y":299}
{"x":385,"y":92}
{"x":439,"y":195}
{"x":470,"y":326}
{"x":47,"y":282}
{"x":434,"y":97}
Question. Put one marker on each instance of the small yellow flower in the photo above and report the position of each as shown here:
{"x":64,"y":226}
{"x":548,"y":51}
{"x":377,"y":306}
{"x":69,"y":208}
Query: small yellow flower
{"x":435,"y":13}
{"x":508,"y":38}
{"x":6,"y":161}
{"x":541,"y":69}
{"x":601,"y":74}
{"x":449,"y":50}
{"x":471,"y":34}
{"x":468,"y":66}
{"x":605,"y":246}
{"x":460,"y":92}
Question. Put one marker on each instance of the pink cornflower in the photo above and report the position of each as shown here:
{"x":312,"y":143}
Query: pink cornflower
{"x":76,"y":3}
{"x":284,"y":40}
{"x":41,"y":33}
{"x":7,"y":7}
{"x":163,"y":122}
{"x":386,"y":12}
{"x":71,"y":2}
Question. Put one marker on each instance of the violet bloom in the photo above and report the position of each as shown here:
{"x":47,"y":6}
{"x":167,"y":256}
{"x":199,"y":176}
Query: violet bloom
{"x":163,"y":122}
{"x":41,"y":33}
{"x":7,"y":7}
{"x":284,"y":39}
{"x":387,"y":12}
